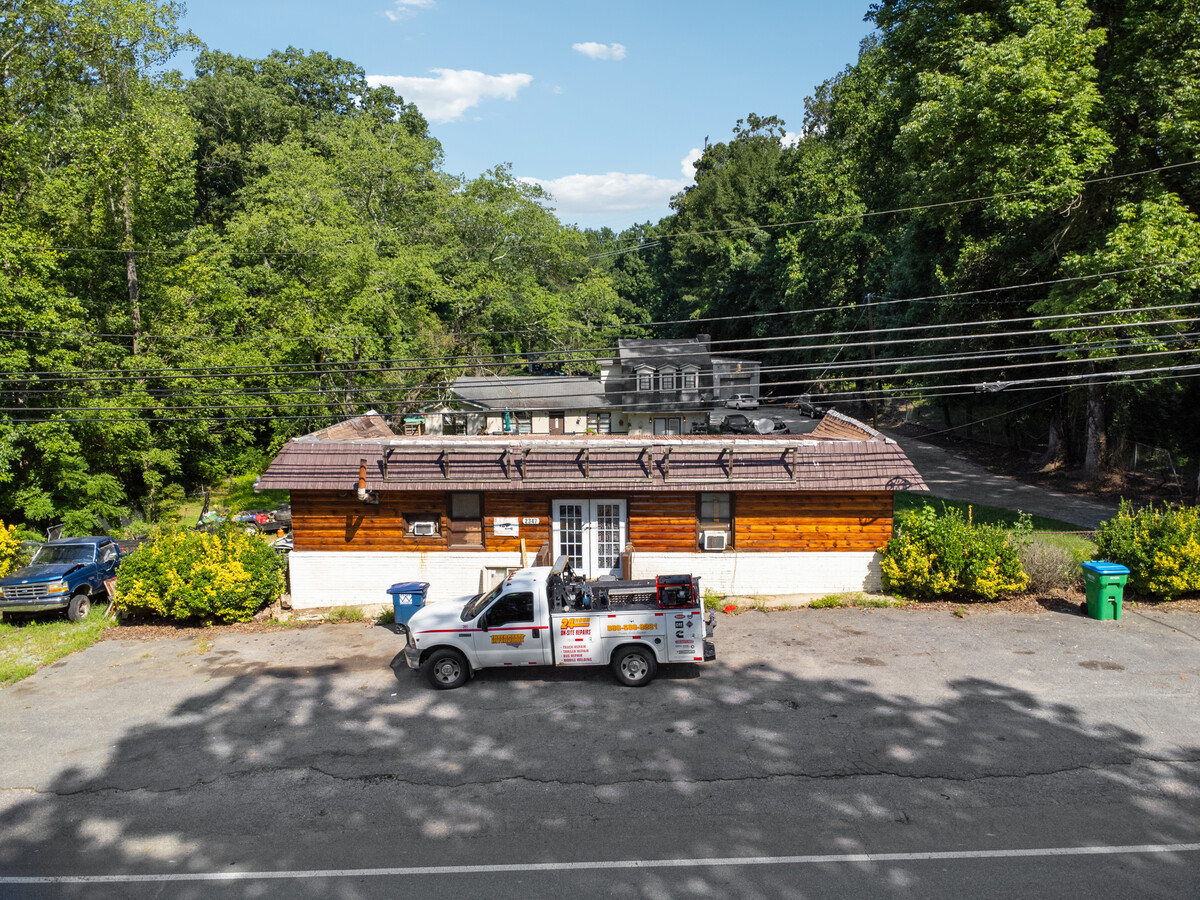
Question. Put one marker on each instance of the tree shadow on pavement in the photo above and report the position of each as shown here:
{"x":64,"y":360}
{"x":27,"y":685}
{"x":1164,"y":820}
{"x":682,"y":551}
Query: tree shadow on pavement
{"x":282,"y":769}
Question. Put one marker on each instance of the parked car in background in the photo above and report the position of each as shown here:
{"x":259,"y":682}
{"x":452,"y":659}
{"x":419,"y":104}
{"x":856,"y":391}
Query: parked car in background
{"x":65,"y":574}
{"x":736,"y":423}
{"x":805,"y":404}
{"x":742,"y":401}
{"x":771,"y":425}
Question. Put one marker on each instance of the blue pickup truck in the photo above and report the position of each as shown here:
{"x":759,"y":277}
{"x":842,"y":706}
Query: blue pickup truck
{"x":68,"y":573}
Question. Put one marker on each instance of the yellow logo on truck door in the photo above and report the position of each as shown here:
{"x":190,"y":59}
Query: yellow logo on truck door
{"x":515,"y":639}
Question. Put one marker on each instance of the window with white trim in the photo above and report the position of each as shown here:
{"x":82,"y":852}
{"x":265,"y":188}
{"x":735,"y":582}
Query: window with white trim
{"x":600,"y":423}
{"x":666,"y":380}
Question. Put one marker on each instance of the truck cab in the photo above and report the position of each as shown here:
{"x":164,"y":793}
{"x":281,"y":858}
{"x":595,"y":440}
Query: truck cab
{"x":68,"y":573}
{"x":548,"y":616}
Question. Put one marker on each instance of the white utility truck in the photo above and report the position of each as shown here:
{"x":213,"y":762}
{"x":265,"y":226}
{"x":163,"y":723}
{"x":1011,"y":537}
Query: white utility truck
{"x":547,"y":615}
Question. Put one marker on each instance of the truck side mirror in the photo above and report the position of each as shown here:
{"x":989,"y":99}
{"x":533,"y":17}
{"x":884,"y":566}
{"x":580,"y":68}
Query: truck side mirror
{"x":483,"y":626}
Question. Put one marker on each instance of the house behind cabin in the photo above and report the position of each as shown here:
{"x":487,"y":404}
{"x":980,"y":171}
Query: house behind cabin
{"x":750,"y":515}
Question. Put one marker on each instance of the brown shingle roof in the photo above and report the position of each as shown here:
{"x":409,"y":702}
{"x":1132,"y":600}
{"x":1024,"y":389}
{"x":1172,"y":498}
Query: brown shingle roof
{"x":370,"y":426}
{"x":596,"y":462}
{"x":835,"y":426}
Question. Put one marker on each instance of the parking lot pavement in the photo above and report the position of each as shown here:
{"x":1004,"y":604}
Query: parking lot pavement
{"x":836,"y":732}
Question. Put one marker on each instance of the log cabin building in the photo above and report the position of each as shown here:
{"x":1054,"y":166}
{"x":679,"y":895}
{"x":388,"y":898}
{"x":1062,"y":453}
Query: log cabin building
{"x":750,"y":515}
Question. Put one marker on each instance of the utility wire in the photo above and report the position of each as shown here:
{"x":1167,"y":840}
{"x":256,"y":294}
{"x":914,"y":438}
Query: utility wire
{"x":578,"y":356}
{"x":896,"y":366}
{"x":318,"y":338}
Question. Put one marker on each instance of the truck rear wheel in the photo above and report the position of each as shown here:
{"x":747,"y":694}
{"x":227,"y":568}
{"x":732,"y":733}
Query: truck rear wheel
{"x":79,"y":607}
{"x":634,"y":666}
{"x":446,"y":669}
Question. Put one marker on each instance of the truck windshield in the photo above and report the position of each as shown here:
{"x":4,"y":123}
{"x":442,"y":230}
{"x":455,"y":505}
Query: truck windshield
{"x":63,"y":553}
{"x":479,"y":603}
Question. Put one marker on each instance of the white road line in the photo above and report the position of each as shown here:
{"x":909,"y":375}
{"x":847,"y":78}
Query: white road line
{"x":569,"y":865}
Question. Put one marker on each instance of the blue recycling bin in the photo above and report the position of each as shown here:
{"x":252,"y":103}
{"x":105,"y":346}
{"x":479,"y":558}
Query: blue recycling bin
{"x":407,"y":598}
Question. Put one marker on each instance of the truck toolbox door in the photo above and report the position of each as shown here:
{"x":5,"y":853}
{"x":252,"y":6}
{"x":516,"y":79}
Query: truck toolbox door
{"x":513,"y":636}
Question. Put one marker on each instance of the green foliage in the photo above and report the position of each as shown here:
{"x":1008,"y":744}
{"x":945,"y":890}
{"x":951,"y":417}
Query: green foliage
{"x":181,"y":574}
{"x":344,"y":614}
{"x":932,"y":555}
{"x":980,"y":514}
{"x":713,"y":600}
{"x":1159,"y":545}
{"x":831,"y":601}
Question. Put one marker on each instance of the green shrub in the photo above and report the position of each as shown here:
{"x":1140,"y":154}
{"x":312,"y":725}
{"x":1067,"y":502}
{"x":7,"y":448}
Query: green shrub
{"x":223,"y":575}
{"x":1159,"y":545}
{"x":932,"y":555}
{"x":828,"y":602}
{"x":712,"y":600}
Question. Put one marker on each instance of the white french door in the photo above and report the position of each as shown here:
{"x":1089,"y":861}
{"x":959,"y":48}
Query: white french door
{"x":591,"y":533}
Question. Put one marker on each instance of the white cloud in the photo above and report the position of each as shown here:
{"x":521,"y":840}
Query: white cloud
{"x":688,"y":164}
{"x":612,"y":52}
{"x":792,"y":138}
{"x":615,"y":192}
{"x":451,"y":92}
{"x":401,"y":9}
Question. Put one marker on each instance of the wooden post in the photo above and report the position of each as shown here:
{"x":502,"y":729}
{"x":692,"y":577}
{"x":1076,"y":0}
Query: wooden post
{"x":524,"y":555}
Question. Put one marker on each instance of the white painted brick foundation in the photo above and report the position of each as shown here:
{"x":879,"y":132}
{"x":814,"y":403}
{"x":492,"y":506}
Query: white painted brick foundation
{"x":362,"y":578}
{"x":768,"y":574}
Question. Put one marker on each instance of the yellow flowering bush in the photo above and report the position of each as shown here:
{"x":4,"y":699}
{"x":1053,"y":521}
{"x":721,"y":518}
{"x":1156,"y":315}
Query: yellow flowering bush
{"x":935,"y":554}
{"x":10,"y":546}
{"x":225,"y":575}
{"x":1159,"y":545}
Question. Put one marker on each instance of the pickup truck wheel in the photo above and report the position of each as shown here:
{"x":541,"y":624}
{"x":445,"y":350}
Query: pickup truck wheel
{"x":446,"y":669}
{"x":79,"y":607}
{"x":634,"y":666}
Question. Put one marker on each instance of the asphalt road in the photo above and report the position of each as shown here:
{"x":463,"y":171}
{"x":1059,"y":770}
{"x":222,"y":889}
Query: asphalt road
{"x":827,"y":753}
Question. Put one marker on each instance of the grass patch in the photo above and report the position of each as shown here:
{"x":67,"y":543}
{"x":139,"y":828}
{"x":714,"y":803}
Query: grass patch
{"x":713,"y":600}
{"x":342,"y":614}
{"x":856,"y":599}
{"x":980,"y":514}
{"x":235,"y":495}
{"x":26,"y":648}
{"x":830,"y":601}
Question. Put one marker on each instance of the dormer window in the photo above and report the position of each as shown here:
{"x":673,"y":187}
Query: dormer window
{"x":666,"y":379}
{"x":689,"y":377}
{"x":645,"y":379}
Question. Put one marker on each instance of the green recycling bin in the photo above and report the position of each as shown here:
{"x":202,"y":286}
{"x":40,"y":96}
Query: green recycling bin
{"x":1104,"y":584}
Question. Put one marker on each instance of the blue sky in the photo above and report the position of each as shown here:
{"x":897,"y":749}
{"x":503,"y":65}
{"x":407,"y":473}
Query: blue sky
{"x":603,"y":104}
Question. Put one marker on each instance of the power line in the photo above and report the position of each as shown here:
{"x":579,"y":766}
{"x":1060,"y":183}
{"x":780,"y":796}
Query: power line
{"x":339,"y":394}
{"x":381,"y":365}
{"x":820,"y":220}
{"x":869,"y":303}
{"x":1178,"y":373}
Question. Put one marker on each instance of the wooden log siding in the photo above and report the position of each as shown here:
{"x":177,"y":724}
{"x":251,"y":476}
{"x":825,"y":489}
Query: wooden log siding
{"x":807,"y":521}
{"x":658,"y":522}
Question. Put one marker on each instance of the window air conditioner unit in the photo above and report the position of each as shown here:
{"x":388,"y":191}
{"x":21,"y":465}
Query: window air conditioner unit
{"x":423,"y":528}
{"x":715,"y":540}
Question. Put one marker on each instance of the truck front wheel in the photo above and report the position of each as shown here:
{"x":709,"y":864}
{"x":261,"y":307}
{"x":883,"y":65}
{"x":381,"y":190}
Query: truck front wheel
{"x":79,"y":607}
{"x":634,"y":666}
{"x":446,"y":669}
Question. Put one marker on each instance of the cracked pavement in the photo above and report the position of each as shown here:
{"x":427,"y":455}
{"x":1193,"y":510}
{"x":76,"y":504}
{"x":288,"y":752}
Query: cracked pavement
{"x":816,"y":731}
